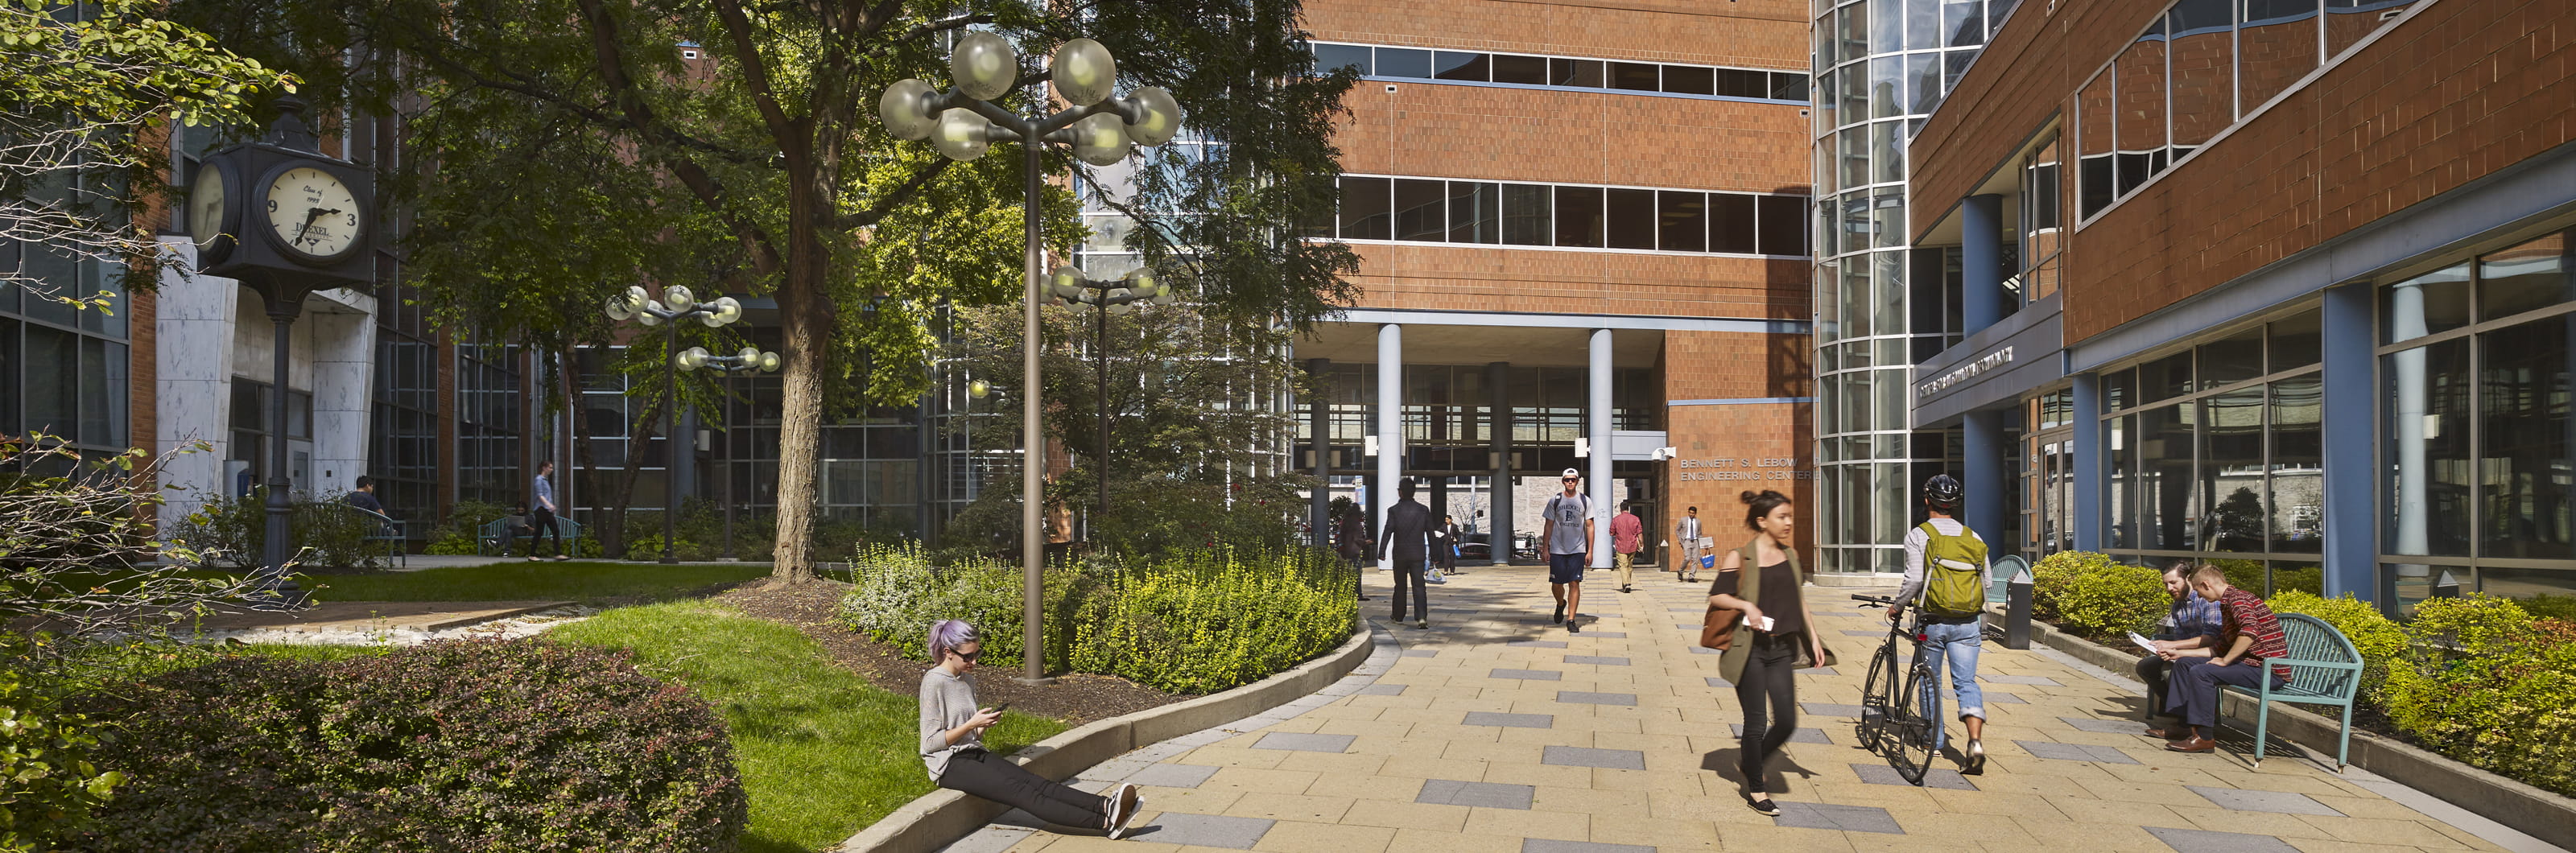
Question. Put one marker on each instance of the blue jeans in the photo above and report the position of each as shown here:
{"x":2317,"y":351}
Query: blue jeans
{"x":1958,"y":642}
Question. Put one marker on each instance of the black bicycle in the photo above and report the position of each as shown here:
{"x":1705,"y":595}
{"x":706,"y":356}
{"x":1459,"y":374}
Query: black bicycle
{"x":1896,"y":719}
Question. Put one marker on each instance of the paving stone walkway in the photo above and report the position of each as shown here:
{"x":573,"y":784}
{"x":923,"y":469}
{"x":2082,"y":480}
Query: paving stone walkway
{"x":1495,"y":731}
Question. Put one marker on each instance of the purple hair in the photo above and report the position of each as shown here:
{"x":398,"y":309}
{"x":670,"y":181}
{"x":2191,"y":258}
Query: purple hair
{"x":946,"y":635}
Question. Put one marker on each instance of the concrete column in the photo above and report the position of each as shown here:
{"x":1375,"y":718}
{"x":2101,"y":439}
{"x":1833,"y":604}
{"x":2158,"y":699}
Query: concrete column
{"x":1596,"y":421}
{"x":1981,"y":286}
{"x":192,"y":382}
{"x":344,"y":350}
{"x":1986,"y":476}
{"x":1390,"y":427}
{"x":1319,"y":425}
{"x":2092,"y":470}
{"x":1498,"y":524}
{"x":2350,"y":476}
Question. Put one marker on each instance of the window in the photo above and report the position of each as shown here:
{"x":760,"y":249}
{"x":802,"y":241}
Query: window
{"x":1695,"y":80}
{"x":1683,"y":221}
{"x":2202,"y":53}
{"x":1403,"y":62}
{"x":1526,"y":214}
{"x":1788,"y":86}
{"x":2348,"y":21}
{"x":1641,"y":76}
{"x":1631,"y":219}
{"x":1783,"y":228}
{"x":1731,"y":225}
{"x":1525,"y":70}
{"x":1475,"y":212}
{"x":1333,"y":57}
{"x":1578,"y":216}
{"x":1578,"y":73}
{"x":2278,"y":43}
{"x":2139,"y":126}
{"x":1365,"y":212}
{"x":1452,"y":65}
{"x":1419,"y":211}
{"x":2040,"y":237}
{"x":2095,"y":162}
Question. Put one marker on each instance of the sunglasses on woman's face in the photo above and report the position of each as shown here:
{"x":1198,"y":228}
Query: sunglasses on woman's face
{"x":969,"y":656}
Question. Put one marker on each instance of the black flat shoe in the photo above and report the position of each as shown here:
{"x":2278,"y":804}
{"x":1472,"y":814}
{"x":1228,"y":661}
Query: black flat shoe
{"x":1765,"y":807}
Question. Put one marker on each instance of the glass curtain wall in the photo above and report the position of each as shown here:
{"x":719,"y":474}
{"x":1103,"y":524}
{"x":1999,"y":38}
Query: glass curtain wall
{"x":2215,"y":453}
{"x":1881,"y":67}
{"x":2477,"y":449}
{"x":489,"y":423}
{"x":63,"y":370}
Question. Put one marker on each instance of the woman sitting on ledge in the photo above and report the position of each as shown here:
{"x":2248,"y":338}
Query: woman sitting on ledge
{"x":952,"y":745}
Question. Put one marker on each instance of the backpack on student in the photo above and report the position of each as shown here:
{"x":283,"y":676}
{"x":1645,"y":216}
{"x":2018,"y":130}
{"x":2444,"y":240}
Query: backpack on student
{"x":1953,"y":573}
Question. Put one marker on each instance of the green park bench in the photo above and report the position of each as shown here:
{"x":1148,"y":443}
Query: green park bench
{"x":2325,"y":669}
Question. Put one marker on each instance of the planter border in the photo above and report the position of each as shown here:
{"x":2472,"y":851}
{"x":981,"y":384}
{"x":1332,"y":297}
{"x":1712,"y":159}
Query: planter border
{"x":943,"y":817}
{"x":2541,"y":814}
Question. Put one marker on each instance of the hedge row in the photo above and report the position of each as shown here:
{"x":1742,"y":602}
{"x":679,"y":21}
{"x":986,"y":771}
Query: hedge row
{"x":2477,"y":678}
{"x":1200,"y":622}
{"x":452,"y":746}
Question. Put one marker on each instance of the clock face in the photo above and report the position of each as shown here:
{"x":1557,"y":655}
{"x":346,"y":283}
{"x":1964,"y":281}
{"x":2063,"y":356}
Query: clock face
{"x":312,"y":214}
{"x":206,"y":205}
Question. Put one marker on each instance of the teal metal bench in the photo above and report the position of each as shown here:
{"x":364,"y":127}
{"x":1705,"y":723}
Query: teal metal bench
{"x":2325,"y":669}
{"x":2005,"y":569}
{"x":494,"y":538}
{"x":388,"y":531}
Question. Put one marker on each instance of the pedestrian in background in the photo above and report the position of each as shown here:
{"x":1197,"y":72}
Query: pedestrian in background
{"x":1686,"y":535}
{"x":1408,"y":539}
{"x":541,"y":514}
{"x":1627,"y":534}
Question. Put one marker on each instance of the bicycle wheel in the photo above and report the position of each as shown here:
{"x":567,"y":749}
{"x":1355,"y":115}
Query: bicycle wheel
{"x":1878,"y":694}
{"x":1911,"y":725}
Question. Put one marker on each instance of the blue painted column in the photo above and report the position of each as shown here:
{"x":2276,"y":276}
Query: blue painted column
{"x":2092,"y":474}
{"x":2350,"y":512}
{"x":1981,"y":274}
{"x":1986,"y":456}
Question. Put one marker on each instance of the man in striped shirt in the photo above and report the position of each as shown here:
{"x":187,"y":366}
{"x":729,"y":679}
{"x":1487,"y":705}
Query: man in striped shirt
{"x":2248,"y":636}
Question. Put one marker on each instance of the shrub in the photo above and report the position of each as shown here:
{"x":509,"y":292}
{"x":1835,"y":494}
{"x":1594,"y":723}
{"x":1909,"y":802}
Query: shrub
{"x":2246,"y":575}
{"x":2109,"y":600}
{"x":2483,"y":684}
{"x":1211,"y":621}
{"x":48,"y":787}
{"x":2559,"y":607}
{"x":2379,"y":640}
{"x":326,"y":532}
{"x":2054,"y":575}
{"x":477,"y":745}
{"x":1191,"y":623}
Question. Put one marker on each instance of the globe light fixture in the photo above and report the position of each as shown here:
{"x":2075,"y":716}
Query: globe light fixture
{"x":769,"y":362}
{"x":691,"y":358}
{"x":978,"y":388}
{"x":679,"y":298}
{"x":1153,"y":118}
{"x":1100,"y":140}
{"x":619,"y":309}
{"x":1084,"y":71}
{"x":962,"y":135}
{"x":983,"y":66}
{"x":906,"y":111}
{"x":678,"y":306}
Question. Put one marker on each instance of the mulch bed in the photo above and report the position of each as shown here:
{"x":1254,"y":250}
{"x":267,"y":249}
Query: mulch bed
{"x":1075,"y":698}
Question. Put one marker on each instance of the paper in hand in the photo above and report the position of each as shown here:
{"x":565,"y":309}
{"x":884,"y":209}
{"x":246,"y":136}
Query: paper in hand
{"x":1766,"y":624}
{"x":2142,"y":642}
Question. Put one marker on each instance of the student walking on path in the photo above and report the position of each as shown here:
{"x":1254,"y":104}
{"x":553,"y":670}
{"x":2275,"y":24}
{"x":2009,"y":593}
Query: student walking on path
{"x":1351,"y":542}
{"x":2249,"y":634}
{"x":952,"y":746}
{"x":1627,"y":534}
{"x":1446,"y":552}
{"x":541,"y":515}
{"x":1409,"y":538}
{"x":1569,"y":549}
{"x":1762,"y":581}
{"x":1686,"y":538}
{"x":1946,"y":577}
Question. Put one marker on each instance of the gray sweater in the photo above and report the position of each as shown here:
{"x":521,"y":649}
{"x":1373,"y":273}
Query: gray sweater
{"x":947,"y":701}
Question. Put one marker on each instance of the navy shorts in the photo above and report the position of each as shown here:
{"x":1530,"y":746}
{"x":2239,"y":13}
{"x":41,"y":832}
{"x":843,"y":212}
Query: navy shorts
{"x":1564,"y":568}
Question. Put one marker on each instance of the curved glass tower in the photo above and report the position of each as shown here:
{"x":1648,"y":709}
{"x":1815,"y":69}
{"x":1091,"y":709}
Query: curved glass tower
{"x":1880,"y":67}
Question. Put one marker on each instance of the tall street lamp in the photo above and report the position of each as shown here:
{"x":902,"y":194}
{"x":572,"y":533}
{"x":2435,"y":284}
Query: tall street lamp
{"x":677,"y":305}
{"x":963,"y":123}
{"x":1117,"y":296}
{"x":750,"y":359}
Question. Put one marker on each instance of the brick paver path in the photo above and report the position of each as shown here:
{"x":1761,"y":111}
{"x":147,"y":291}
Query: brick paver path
{"x":1495,"y":731}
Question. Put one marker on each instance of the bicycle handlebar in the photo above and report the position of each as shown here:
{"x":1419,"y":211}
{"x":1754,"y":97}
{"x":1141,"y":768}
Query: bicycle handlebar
{"x":1880,"y":600}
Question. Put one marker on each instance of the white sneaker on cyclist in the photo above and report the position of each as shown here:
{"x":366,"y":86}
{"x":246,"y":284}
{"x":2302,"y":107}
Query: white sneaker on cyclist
{"x":1976,"y":761}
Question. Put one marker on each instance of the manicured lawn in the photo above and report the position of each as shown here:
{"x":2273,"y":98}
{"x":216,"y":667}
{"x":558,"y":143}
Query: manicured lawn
{"x":587,"y":582}
{"x":822,"y":752}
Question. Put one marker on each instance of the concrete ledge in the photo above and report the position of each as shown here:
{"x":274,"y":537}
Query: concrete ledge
{"x":942,"y":817}
{"x":2541,"y":814}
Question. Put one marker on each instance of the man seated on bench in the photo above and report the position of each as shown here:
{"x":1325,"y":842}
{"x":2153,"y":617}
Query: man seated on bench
{"x":2189,"y":630}
{"x":364,"y":496}
{"x":2249,"y":635}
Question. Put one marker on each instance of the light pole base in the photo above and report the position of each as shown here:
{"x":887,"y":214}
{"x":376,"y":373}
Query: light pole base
{"x":1033,"y":682}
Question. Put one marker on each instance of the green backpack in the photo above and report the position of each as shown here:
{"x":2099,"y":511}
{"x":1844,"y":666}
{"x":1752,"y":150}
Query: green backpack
{"x":1954,"y":573}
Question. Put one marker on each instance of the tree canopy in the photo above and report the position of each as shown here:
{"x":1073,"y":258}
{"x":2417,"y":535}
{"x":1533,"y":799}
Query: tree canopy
{"x":560,"y":150}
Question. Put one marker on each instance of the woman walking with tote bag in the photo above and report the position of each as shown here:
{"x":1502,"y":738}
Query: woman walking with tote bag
{"x":1758,"y":589}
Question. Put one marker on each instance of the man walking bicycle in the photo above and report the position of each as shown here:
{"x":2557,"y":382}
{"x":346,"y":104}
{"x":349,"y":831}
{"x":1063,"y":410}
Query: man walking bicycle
{"x":1947,"y":575}
{"x":1569,"y":549}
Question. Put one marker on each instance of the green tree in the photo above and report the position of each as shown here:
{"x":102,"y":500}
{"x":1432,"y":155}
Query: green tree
{"x":85,"y":89}
{"x":591,"y":153}
{"x":1195,"y":428}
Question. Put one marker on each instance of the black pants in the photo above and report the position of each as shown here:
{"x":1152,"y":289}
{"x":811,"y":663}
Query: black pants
{"x":541,"y":522}
{"x":986,"y":775}
{"x":1768,"y":681}
{"x":2152,"y":670}
{"x":1410,"y":571}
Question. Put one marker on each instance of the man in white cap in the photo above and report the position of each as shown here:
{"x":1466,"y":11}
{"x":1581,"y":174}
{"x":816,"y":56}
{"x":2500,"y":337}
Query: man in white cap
{"x":1569,"y":549}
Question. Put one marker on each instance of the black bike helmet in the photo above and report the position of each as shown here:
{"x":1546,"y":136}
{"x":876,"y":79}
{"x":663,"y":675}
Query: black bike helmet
{"x":1943,"y":492}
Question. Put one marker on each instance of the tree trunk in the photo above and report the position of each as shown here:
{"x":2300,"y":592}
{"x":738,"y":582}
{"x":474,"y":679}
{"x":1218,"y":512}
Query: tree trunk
{"x":805,"y":317}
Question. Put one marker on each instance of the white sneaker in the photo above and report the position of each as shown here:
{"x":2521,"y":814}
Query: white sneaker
{"x":1122,"y":809}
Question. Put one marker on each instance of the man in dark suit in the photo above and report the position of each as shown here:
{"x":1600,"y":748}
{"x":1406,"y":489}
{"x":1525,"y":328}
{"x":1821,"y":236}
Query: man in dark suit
{"x":1407,"y":538}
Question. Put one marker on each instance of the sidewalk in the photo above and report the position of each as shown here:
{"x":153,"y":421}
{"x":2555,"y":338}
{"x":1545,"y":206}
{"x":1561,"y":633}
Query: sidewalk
{"x":1496,"y":731}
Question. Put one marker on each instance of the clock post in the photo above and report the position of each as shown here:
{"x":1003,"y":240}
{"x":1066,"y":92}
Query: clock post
{"x":284,"y":220}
